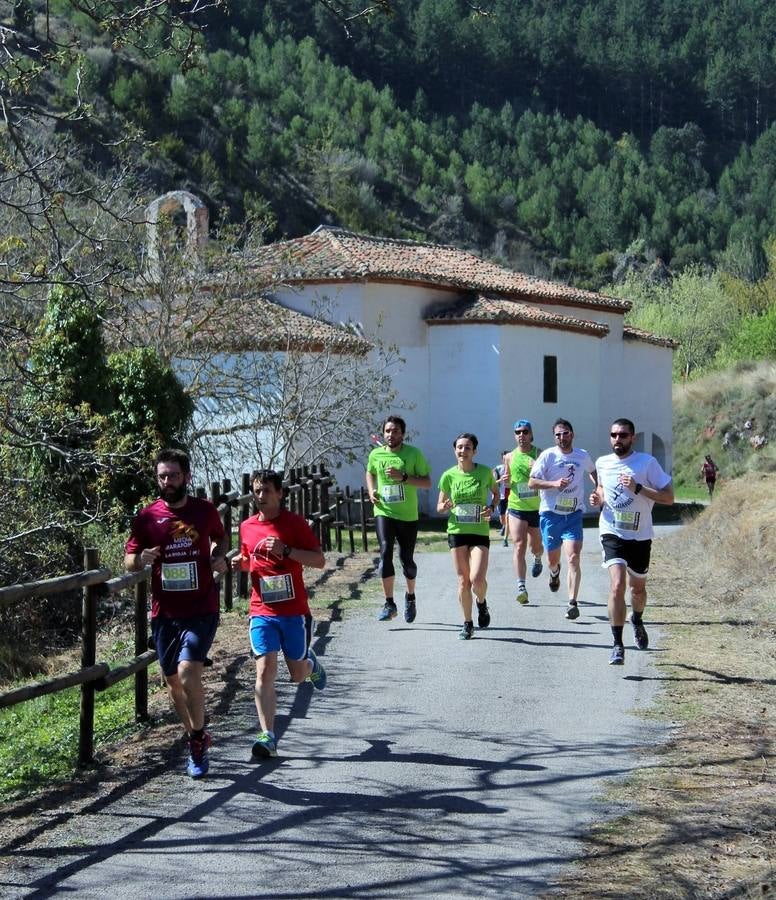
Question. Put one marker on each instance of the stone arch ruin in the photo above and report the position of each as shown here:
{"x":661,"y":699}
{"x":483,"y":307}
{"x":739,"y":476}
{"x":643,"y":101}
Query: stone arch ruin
{"x":197,"y":224}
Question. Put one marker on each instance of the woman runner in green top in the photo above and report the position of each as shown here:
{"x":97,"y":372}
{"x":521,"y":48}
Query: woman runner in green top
{"x":468,"y":492}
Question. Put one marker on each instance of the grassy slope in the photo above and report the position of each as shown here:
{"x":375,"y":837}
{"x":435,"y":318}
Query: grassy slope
{"x":720,"y":403}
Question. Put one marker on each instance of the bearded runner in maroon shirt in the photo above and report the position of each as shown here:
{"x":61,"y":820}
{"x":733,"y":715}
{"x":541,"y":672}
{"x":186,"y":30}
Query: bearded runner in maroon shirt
{"x":182,"y":538}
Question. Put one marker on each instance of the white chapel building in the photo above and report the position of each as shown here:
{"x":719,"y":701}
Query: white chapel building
{"x":483,"y":345}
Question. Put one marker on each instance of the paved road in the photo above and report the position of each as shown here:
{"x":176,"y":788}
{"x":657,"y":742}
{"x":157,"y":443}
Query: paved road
{"x":429,"y":767}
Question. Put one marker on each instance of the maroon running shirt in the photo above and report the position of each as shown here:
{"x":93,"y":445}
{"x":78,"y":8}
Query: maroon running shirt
{"x":182,"y":584}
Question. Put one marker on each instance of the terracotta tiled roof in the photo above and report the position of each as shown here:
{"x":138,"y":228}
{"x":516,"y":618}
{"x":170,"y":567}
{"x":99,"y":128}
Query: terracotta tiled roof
{"x":257,"y":323}
{"x":481,"y":308}
{"x":629,"y":333}
{"x":334,"y":254}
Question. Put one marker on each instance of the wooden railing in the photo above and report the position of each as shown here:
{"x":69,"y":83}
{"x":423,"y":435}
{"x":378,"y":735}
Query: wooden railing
{"x":310,"y":492}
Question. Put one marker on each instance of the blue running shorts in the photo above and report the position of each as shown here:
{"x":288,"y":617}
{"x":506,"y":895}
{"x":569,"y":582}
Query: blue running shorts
{"x":271,"y":634}
{"x":557,"y":528}
{"x":178,"y":640}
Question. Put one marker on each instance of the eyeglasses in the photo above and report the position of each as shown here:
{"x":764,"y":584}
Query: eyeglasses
{"x":522,"y":431}
{"x":562,"y":434}
{"x":620,"y":434}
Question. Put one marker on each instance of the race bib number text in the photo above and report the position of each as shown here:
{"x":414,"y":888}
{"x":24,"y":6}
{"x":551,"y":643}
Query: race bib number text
{"x":179,"y":576}
{"x":276,"y":588}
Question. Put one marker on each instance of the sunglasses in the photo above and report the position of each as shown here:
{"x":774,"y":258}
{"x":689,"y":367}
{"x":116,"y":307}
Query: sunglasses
{"x":620,"y":434}
{"x":562,"y":434}
{"x":522,"y":431}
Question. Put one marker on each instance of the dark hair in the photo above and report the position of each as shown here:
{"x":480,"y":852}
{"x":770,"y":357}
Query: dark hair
{"x":395,"y":420}
{"x":267,"y":476}
{"x":171,"y":455}
{"x":504,"y":452}
{"x":466,"y":436}
{"x":565,"y":423}
{"x":626,"y":423}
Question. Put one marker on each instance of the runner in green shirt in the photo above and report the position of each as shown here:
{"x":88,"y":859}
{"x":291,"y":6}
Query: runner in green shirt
{"x":394,"y":472}
{"x":523,"y":507}
{"x":468,"y":493}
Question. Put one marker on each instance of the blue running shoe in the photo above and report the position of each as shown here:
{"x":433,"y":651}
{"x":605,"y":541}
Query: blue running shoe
{"x":537,"y":567}
{"x":318,"y":674}
{"x":618,"y":655}
{"x":264,"y":746}
{"x":198,"y":763}
{"x":388,"y":612}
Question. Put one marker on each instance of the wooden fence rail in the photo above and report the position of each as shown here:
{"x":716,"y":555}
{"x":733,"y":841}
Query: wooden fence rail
{"x":309,"y":491}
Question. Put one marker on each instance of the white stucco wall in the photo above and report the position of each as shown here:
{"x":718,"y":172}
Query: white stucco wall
{"x":482,"y":377}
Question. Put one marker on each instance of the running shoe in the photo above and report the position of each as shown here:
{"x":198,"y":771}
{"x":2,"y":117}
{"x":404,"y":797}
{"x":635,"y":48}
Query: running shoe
{"x":198,"y":763}
{"x":318,"y":674}
{"x":522,"y":595}
{"x":467,"y":632}
{"x":572,"y":611}
{"x":618,"y":655}
{"x":555,"y":581}
{"x":388,"y":612}
{"x":483,"y":614}
{"x":409,"y":609}
{"x":640,"y":635}
{"x":506,"y":542}
{"x":264,"y":746}
{"x":537,"y":567}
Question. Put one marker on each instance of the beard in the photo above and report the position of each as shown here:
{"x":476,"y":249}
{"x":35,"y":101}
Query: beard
{"x":173,"y":494}
{"x":621,"y":450}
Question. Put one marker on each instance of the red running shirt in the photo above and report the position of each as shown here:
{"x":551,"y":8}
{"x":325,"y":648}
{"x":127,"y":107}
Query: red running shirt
{"x":182,"y":583}
{"x":277,"y":584}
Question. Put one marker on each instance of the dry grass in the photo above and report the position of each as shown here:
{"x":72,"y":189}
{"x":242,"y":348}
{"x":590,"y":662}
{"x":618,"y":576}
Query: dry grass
{"x":703,"y":819}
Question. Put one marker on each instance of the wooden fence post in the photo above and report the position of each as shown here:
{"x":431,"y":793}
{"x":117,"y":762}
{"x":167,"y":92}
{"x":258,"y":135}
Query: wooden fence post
{"x":245,"y":511}
{"x":349,"y":518}
{"x":141,"y":645}
{"x":88,"y":658}
{"x":227,"y":577}
{"x":362,"y":497}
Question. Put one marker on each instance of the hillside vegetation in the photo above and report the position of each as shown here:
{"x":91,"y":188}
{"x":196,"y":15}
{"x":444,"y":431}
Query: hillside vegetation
{"x":720,"y":404}
{"x":552,"y":137}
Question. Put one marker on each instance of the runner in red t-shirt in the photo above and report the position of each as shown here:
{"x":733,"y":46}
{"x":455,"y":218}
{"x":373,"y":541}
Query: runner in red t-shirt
{"x":275,"y":545}
{"x":182,"y":538}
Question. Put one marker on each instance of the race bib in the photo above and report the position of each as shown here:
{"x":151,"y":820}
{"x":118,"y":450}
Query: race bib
{"x":524,"y":492}
{"x":626,"y":520}
{"x":468,"y":513}
{"x":276,"y":588}
{"x":393,"y":493}
{"x":565,"y":504}
{"x":179,"y":576}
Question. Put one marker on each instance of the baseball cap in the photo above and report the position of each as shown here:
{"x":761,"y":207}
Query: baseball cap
{"x":523,"y":423}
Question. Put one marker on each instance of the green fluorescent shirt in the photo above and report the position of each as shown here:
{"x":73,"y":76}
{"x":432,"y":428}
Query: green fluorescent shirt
{"x":469,"y":492}
{"x":520,"y":495}
{"x":397,"y":499}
